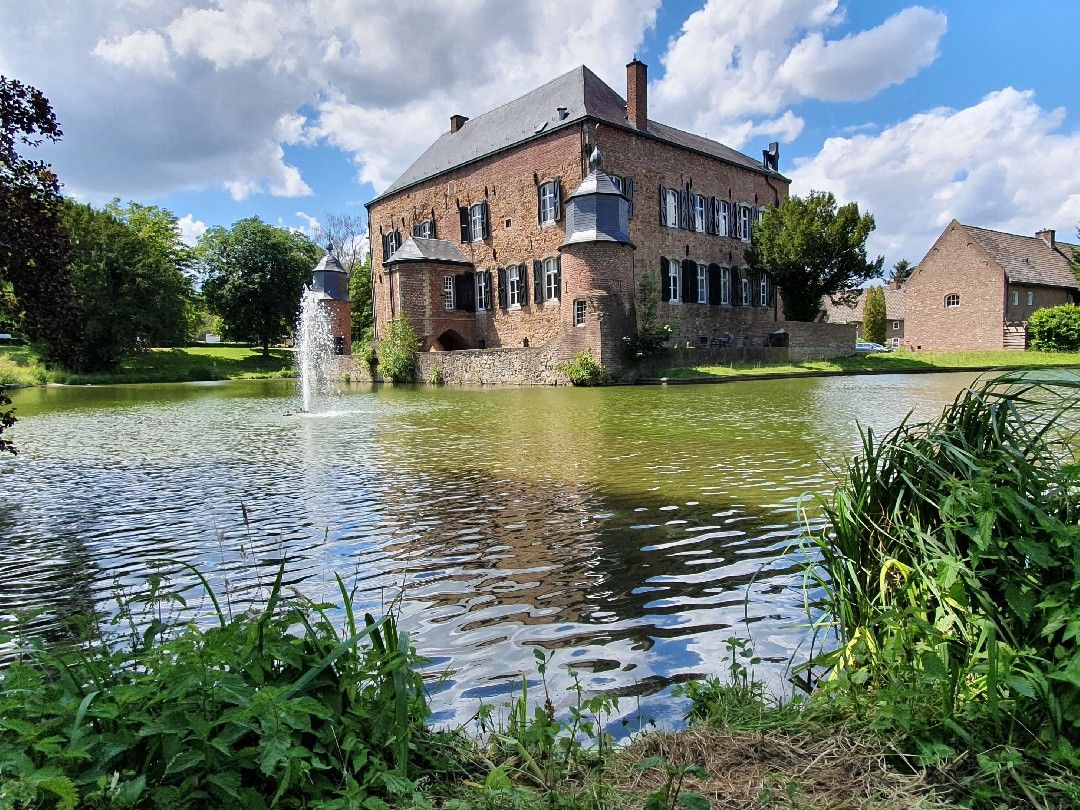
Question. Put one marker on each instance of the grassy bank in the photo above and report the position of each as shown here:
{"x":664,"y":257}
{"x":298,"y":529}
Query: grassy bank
{"x":900,"y":360}
{"x":21,"y":365}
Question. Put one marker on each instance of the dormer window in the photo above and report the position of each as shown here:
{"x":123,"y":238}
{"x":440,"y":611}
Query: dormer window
{"x":548,"y":203}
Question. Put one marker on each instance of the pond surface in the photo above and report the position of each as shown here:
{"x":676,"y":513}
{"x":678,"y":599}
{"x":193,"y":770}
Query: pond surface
{"x":630,"y":530}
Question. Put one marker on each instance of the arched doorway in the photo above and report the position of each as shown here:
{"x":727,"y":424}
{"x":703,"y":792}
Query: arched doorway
{"x":449,"y":341}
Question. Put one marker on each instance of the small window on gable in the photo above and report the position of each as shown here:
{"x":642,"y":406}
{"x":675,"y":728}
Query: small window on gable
{"x":448,"y":292}
{"x":896,"y":326}
{"x":952,"y":300}
{"x":579,"y":312}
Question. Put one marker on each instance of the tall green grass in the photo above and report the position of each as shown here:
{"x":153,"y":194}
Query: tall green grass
{"x":281,"y":707}
{"x":951,"y":580}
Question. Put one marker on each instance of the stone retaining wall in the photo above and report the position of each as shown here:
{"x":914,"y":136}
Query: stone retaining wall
{"x":817,"y":341}
{"x":493,"y":367}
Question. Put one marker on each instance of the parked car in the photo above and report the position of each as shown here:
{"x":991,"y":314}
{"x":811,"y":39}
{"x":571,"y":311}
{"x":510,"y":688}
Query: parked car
{"x":867,"y":348}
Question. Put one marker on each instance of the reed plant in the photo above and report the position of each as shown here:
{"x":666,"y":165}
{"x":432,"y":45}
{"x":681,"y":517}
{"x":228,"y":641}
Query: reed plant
{"x":950,"y":588}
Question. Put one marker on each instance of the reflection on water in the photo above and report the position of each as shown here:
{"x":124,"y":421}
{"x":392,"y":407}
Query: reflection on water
{"x":631,"y":529}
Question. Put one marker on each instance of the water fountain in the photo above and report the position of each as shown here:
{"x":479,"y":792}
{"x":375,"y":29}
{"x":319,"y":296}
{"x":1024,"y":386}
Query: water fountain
{"x":314,"y":347}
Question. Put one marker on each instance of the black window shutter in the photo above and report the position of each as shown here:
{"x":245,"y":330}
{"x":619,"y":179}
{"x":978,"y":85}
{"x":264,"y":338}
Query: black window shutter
{"x":689,"y":281}
{"x":558,"y":274}
{"x":523,"y":281}
{"x":486,"y":225}
{"x":463,"y":215}
{"x":502,"y":289}
{"x":663,"y":206}
{"x":540,"y":204}
{"x":433,"y":234}
{"x":736,"y":287}
{"x":384,"y":256}
{"x":397,"y":240}
{"x":684,"y":208}
{"x":628,"y":192}
{"x":771,"y":290}
{"x":489,"y":286}
{"x":714,"y":284}
{"x":538,"y":281}
{"x":558,"y":200}
{"x":665,"y":279}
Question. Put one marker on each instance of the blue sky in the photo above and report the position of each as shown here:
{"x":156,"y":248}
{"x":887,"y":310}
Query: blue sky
{"x":292,"y":110}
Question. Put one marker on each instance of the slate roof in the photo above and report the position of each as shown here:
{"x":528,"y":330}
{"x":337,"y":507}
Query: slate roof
{"x":1027,"y":259}
{"x":583,"y":94}
{"x":418,"y":249}
{"x":895,"y":301}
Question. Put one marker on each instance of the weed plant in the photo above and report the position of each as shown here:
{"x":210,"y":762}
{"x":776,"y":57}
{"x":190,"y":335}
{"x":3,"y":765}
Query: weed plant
{"x":951,"y":581}
{"x":280,"y":707}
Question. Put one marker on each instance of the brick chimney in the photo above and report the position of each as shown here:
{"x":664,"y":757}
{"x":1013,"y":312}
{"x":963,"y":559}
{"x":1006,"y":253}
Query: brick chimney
{"x":637,"y":94}
{"x":457,"y":122}
{"x":1047,"y":235}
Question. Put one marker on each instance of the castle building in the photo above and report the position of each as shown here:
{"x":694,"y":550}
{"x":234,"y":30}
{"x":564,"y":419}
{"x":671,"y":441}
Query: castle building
{"x":533,"y":225}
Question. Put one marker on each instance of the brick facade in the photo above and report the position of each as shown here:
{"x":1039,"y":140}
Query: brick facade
{"x":605,"y":275}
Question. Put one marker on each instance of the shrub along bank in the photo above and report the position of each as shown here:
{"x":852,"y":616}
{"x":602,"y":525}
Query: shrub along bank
{"x":949,"y":583}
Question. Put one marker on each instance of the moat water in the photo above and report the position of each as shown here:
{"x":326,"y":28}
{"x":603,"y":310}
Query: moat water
{"x":629,"y":530}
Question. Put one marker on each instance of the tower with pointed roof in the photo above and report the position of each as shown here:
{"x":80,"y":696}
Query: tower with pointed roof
{"x":330,"y":283}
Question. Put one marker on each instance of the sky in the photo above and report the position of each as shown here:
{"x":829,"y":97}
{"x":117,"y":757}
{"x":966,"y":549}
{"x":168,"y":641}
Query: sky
{"x":291,"y":110}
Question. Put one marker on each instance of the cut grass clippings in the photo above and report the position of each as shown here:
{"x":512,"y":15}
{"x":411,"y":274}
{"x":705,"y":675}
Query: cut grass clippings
{"x":885,"y":362}
{"x":21,"y":365}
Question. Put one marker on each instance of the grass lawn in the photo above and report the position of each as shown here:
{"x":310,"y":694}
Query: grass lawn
{"x":20,"y":365}
{"x":892,"y":361}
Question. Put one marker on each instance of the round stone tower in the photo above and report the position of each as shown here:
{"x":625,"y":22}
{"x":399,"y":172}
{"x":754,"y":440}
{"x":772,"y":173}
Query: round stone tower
{"x":598,"y":269}
{"x":330,"y":283}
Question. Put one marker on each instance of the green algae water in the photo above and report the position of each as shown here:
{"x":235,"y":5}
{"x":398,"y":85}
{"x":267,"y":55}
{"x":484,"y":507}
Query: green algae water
{"x":630,"y":530}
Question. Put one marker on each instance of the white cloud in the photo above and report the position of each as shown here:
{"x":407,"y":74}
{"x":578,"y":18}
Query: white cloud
{"x":140,"y":50}
{"x":190,"y":229}
{"x":172,"y":95}
{"x":1002,"y":163}
{"x":735,"y":69}
{"x":311,"y":224}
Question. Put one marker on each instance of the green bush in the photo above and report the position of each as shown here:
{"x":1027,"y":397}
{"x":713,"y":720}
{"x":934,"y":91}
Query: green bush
{"x":249,"y":713}
{"x":583,"y":369}
{"x":950,"y":578}
{"x":1055,"y":329}
{"x":397,"y":351}
{"x":651,"y":338}
{"x":436,"y":377}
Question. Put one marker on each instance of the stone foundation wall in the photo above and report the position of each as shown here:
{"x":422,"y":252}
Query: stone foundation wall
{"x":817,"y":341}
{"x":493,"y":367}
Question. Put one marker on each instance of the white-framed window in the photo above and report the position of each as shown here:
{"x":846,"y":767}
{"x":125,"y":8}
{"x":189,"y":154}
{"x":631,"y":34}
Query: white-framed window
{"x":763,"y":291}
{"x":744,"y":223}
{"x":513,"y":276}
{"x":725,"y":285}
{"x":483,"y":294}
{"x":476,"y":222}
{"x":671,"y":207}
{"x":549,"y":202}
{"x":702,"y":284}
{"x":425,"y":229}
{"x":616,"y":181}
{"x":551,"y":279}
{"x":1030,"y":299}
{"x":448,"y":292}
{"x":747,"y":298}
{"x":1015,"y":298}
{"x":579,"y":312}
{"x":675,"y":279}
{"x":392,"y":243}
{"x":722,"y":226}
{"x":952,"y":300}
{"x":896,"y":343}
{"x":699,"y":213}
{"x":896,"y":326}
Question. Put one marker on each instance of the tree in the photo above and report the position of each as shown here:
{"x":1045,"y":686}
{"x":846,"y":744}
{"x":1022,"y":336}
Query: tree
{"x":811,"y":249}
{"x":126,"y":266}
{"x":902,"y":271}
{"x":397,"y":351}
{"x":1074,"y":260}
{"x":32,"y":241}
{"x":360,"y":292}
{"x":255,"y":274}
{"x":873,"y":323}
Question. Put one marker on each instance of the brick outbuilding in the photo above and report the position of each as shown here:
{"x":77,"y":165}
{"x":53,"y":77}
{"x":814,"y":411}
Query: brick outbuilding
{"x":505,"y":232}
{"x":976,"y":288}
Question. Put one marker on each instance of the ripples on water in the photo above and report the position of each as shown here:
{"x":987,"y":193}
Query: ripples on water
{"x":632,"y":530}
